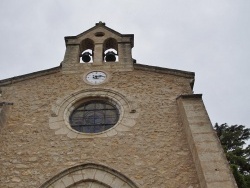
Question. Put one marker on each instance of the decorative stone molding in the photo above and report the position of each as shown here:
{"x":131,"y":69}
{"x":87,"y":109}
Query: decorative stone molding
{"x":63,"y":107}
{"x":89,"y":175}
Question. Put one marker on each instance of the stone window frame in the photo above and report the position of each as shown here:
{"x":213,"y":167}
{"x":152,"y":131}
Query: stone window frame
{"x":63,"y":107}
{"x":89,"y":172}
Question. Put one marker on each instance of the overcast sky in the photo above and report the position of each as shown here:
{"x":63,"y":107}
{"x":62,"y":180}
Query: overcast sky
{"x":208,"y":37}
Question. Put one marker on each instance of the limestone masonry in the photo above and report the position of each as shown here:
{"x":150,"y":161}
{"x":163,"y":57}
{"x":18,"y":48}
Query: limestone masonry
{"x":163,"y":137}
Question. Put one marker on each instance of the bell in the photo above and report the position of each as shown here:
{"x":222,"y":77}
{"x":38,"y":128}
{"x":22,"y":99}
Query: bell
{"x":110,"y":56}
{"x":86,"y":57}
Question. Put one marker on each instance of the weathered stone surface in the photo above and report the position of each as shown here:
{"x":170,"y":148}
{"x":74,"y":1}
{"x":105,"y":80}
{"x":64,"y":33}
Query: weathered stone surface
{"x":4,"y":110}
{"x":153,"y":138}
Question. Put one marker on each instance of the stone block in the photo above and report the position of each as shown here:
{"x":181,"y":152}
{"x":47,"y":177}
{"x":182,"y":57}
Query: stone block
{"x":215,"y":156}
{"x":217,"y":176}
{"x":204,"y":137}
{"x":99,"y":175}
{"x":208,"y":147}
{"x":77,"y":176}
{"x":59,"y":184}
{"x":213,"y":166}
{"x":223,"y":184}
{"x":201,"y":127}
{"x":108,"y":179}
{"x":89,"y":173}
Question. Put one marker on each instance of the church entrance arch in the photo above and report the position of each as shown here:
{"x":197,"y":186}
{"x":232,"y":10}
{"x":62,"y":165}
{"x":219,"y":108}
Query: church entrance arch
{"x":89,"y":175}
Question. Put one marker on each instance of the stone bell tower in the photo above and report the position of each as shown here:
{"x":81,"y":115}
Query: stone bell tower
{"x":101,"y":120}
{"x":102,"y":44}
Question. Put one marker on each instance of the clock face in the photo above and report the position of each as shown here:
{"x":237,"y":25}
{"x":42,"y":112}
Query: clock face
{"x":96,"y":77}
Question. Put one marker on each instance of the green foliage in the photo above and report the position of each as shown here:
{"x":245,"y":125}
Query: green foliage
{"x":239,"y":178}
{"x":233,"y":140}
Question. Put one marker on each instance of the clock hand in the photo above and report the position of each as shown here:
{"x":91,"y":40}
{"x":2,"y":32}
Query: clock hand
{"x":97,"y":76}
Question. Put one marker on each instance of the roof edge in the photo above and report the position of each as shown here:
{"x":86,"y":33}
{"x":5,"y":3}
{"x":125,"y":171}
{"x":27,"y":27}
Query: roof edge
{"x":181,"y":73}
{"x":100,"y":24}
{"x":23,"y":77}
{"x":176,"y":72}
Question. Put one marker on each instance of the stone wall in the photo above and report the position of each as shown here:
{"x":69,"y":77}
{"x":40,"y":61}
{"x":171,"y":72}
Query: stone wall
{"x":154,"y":153}
{"x":2,"y":117}
{"x":4,"y":109}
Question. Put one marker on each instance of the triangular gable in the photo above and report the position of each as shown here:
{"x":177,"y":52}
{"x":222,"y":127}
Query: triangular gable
{"x":98,"y":26}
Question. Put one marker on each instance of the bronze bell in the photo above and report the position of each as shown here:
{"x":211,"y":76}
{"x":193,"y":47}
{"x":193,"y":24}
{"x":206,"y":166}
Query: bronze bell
{"x":86,"y":57}
{"x":110,"y":56}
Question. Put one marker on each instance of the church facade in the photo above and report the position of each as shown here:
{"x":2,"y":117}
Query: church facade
{"x":101,"y":120}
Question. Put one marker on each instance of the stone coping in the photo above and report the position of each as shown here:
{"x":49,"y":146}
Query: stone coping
{"x":164,"y":70}
{"x":210,"y":161}
{"x":15,"y":79}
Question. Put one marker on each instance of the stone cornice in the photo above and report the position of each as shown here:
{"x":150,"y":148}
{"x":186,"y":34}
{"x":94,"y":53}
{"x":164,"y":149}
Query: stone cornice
{"x":29,"y":76}
{"x":164,"y":70}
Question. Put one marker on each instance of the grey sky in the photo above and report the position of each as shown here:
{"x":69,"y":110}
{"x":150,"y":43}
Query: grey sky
{"x":208,"y":37}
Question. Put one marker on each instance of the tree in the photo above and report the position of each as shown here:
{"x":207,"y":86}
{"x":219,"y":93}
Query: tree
{"x":233,"y":140}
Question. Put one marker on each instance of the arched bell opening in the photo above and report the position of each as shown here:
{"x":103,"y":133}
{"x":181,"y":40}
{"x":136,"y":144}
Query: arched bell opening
{"x":87,"y":51}
{"x":110,"y":50}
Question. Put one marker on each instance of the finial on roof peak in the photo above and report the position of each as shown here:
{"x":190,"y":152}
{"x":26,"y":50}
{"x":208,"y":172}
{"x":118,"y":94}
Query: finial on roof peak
{"x":100,"y":23}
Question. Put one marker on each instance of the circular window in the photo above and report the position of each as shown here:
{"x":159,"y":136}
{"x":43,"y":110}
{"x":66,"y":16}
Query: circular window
{"x":94,"y":116}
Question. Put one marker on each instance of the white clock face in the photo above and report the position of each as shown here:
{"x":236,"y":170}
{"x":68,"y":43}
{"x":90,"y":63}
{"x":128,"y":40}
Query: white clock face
{"x":96,"y":77}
